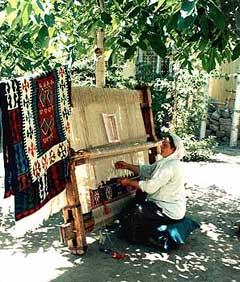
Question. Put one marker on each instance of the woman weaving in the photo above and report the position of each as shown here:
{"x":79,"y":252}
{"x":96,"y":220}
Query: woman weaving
{"x":160,"y":198}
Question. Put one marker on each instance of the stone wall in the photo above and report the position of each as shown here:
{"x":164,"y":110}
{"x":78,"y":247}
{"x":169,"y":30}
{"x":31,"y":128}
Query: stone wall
{"x":219,"y":122}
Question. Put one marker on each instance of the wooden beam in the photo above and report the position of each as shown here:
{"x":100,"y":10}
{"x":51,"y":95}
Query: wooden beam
{"x":73,"y":231}
{"x":146,"y":107}
{"x":113,"y":150}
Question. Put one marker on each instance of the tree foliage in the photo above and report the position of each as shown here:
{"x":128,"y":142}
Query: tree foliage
{"x":41,"y":34}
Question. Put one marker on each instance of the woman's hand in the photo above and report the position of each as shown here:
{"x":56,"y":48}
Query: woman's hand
{"x":129,"y":183}
{"x":121,"y":165}
{"x":124,"y":181}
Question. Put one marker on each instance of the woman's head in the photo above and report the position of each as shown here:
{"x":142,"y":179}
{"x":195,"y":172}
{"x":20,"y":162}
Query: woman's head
{"x":172,"y":145}
{"x":167,"y":147}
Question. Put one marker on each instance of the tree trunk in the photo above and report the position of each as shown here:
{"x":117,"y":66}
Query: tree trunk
{"x":175,"y":106}
{"x":236,"y":112}
{"x":140,"y":56}
{"x":100,"y":60}
{"x":99,"y":53}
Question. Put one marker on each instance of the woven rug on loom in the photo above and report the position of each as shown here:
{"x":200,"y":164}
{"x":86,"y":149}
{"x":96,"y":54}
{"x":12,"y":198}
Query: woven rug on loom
{"x":36,"y":130}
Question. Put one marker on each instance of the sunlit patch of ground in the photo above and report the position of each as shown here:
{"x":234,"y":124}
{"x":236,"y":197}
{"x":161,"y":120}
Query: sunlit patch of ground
{"x":211,"y":253}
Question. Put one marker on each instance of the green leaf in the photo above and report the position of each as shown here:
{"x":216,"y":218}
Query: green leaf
{"x":217,"y":15}
{"x":202,"y":45}
{"x":208,"y":60}
{"x":236,"y":52}
{"x":108,"y":54}
{"x":188,"y":14}
{"x":115,"y":22}
{"x":106,"y":18}
{"x":49,"y":20}
{"x":40,"y":5}
{"x":37,"y":64}
{"x":159,"y":5}
{"x":130,"y":52}
{"x":212,"y":61}
{"x":158,"y":46}
{"x":36,"y":19}
{"x":204,"y":25}
{"x":188,"y":7}
{"x":218,"y":56}
{"x":172,"y":22}
{"x":25,"y":15}
{"x":142,"y":45}
{"x":11,"y":17}
{"x":186,"y":23}
{"x":91,"y":27}
{"x":228,"y":54}
{"x":71,"y":59}
{"x":117,"y":4}
{"x":123,"y":43}
{"x":25,"y":41}
{"x":37,"y":7}
{"x":220,"y":42}
{"x":43,"y":37}
{"x":9,"y":10}
{"x":51,"y":31}
{"x":134,"y":12}
{"x":184,"y":63}
{"x":204,"y":59}
{"x":13,"y":3}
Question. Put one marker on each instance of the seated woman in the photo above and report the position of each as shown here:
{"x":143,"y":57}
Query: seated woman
{"x":160,"y":197}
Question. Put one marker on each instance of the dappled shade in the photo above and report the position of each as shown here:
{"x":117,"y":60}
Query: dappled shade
{"x":209,"y":254}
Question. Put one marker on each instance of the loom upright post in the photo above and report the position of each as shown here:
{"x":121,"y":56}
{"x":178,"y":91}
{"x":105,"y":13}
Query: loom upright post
{"x":146,"y":108}
{"x":72,"y":231}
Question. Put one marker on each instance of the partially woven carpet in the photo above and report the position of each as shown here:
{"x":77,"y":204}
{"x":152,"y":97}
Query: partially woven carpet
{"x":36,"y":130}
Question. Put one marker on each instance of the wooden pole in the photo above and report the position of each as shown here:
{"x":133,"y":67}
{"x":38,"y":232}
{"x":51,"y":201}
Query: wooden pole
{"x":236,"y":112}
{"x":146,"y":108}
{"x":72,"y":231}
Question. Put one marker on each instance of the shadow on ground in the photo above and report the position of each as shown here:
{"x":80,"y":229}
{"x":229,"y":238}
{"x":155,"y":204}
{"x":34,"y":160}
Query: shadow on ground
{"x":210,"y":254}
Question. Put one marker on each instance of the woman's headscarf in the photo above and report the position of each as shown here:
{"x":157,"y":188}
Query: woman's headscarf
{"x":179,"y":153}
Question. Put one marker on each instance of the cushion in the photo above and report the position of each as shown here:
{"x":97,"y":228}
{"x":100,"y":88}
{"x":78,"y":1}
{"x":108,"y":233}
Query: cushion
{"x":172,"y":235}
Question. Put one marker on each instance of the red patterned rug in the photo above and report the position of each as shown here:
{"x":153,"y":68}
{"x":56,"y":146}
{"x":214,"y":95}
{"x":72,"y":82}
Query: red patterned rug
{"x":36,"y":128}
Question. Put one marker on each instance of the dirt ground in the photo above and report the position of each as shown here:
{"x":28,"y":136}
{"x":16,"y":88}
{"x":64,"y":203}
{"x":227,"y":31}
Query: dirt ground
{"x":211,"y":253}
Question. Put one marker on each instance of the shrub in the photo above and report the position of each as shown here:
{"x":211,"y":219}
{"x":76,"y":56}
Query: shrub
{"x":199,"y":150}
{"x":162,"y":104}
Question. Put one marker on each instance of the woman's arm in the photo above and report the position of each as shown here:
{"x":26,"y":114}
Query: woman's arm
{"x":125,"y":165}
{"x":129,"y":183}
{"x":161,"y":177}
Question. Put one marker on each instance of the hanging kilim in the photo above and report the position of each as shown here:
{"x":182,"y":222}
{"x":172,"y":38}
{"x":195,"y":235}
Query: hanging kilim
{"x":36,"y":128}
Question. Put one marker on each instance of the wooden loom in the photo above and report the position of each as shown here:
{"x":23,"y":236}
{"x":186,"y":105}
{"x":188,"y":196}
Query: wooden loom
{"x":107,"y":125}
